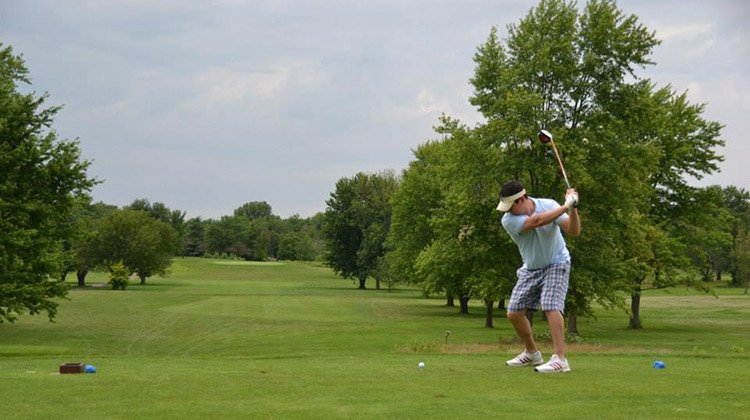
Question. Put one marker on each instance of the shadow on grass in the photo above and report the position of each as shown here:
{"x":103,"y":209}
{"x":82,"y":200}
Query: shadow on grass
{"x":150,"y":286}
{"x":30,"y":351}
{"x":408,"y":293}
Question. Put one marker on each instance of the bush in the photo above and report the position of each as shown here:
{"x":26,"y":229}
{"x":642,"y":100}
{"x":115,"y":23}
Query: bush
{"x":118,"y":276}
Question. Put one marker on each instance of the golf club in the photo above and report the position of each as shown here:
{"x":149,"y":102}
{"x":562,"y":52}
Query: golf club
{"x":546,"y":137}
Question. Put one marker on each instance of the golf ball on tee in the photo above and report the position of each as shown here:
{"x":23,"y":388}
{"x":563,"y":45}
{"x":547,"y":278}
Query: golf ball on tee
{"x":421,"y":365}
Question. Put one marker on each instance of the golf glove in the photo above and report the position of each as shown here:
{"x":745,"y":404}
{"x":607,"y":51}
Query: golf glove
{"x":571,"y":200}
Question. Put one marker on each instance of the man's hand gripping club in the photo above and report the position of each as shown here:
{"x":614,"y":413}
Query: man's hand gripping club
{"x":571,"y":198}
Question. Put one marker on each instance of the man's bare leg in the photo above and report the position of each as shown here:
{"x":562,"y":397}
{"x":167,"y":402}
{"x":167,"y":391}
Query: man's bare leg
{"x":557,"y":329}
{"x":523,"y":329}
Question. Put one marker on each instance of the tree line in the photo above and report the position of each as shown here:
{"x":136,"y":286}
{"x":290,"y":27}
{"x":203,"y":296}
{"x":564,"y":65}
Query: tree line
{"x":629,"y":146}
{"x":144,"y":237}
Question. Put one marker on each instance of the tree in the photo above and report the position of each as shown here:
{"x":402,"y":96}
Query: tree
{"x":627,"y":145}
{"x":41,"y":177}
{"x":268,"y":231}
{"x":458,"y":247}
{"x":154,"y":249}
{"x":254,"y":210}
{"x":300,"y":239}
{"x":417,"y":197}
{"x":144,"y":245}
{"x":707,"y":228}
{"x":356,"y":223}
{"x":737,"y":201}
{"x":159,"y":211}
{"x":313,"y":229}
{"x":551,"y":74}
{"x":259,"y":237}
{"x":83,"y":255}
{"x":195,"y":238}
{"x":265,"y":228}
{"x":76,"y":227}
{"x":118,"y":276}
{"x":742,"y":255}
{"x":296,"y":246}
{"x":230,"y":235}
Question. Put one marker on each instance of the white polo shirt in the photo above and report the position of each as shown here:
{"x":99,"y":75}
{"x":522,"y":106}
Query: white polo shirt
{"x":542,"y":246}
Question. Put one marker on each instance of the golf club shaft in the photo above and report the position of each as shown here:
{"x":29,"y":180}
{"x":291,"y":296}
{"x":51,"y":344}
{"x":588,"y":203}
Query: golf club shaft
{"x":562,"y":168}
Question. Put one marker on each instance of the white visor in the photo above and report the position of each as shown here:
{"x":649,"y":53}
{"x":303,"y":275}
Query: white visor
{"x":507,"y":202}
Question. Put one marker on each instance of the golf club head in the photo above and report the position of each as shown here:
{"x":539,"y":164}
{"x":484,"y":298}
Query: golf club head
{"x":545,"y":136}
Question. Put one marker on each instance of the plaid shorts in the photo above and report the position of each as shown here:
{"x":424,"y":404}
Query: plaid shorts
{"x":547,"y":286}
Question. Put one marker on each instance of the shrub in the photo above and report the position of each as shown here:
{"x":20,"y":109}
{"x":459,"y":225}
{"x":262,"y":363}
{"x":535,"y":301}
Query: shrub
{"x":118,"y":276}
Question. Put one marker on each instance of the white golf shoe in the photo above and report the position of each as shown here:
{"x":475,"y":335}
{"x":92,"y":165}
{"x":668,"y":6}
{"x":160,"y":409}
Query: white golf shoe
{"x":526,"y":359}
{"x":554,"y":365}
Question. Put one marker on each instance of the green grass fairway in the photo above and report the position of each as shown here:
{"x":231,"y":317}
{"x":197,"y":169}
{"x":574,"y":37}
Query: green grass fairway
{"x":224,"y":339}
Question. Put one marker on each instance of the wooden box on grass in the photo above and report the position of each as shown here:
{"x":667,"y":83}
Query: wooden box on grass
{"x":71,"y":368}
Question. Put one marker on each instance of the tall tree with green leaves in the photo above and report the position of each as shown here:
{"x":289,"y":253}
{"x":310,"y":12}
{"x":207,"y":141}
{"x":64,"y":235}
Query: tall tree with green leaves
{"x":230,"y":235}
{"x":143,"y":244}
{"x":742,"y":256}
{"x":84,"y":255}
{"x":298,"y":238}
{"x":556,"y":71}
{"x":706,"y":227}
{"x":40,"y":178}
{"x":356,"y":223}
{"x":737,"y":201}
{"x":465,"y":254}
{"x":254,"y":210}
{"x":161,"y":212}
{"x":628,"y":146}
{"x":419,"y":195}
{"x":194,"y":243}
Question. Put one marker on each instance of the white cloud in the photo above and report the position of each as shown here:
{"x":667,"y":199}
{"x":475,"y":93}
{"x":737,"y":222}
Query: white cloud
{"x":699,"y":49}
{"x":227,"y":86}
{"x":428,"y":104}
{"x":683,"y":32}
{"x":240,"y":85}
{"x":694,"y":92}
{"x":424,"y":103}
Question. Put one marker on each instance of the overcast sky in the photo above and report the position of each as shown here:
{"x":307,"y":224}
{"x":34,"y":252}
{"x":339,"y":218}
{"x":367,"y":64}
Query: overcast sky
{"x":206,"y":105}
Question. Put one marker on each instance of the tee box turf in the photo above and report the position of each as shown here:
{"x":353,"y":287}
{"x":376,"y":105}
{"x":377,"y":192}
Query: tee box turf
{"x":71,"y":368}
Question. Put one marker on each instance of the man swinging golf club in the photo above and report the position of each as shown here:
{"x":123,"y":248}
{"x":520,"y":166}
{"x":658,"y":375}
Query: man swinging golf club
{"x":534,"y":225}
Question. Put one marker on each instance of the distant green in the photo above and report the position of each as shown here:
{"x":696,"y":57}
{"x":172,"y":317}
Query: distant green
{"x":218,"y":340}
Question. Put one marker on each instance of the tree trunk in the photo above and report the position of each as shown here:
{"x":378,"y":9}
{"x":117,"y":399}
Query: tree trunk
{"x":718,"y":275}
{"x":143,"y":280}
{"x":736,"y":277}
{"x":490,"y":311}
{"x":501,"y":304}
{"x":464,"y":301}
{"x":635,"y":309}
{"x":362,"y":280}
{"x":572,"y":324}
{"x":377,"y":284}
{"x":450,"y":301}
{"x":81,"y":276}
